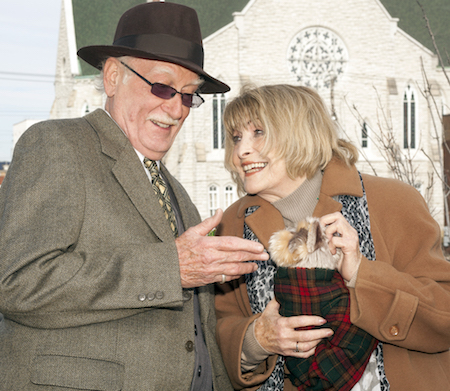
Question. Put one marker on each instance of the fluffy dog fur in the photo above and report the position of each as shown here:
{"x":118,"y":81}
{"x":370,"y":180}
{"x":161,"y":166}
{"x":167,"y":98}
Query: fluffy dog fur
{"x":305,"y":246}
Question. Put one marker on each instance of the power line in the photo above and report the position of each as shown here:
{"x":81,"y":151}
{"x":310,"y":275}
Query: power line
{"x":40,"y":77}
{"x":39,"y":110}
{"x":27,"y":80}
{"x":26,"y":74}
{"x":34,"y":114}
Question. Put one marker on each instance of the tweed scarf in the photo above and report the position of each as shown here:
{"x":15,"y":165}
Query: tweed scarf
{"x":260,"y":284}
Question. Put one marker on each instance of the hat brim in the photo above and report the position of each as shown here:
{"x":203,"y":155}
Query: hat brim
{"x":96,"y":55}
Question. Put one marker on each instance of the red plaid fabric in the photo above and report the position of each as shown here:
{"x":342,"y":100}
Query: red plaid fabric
{"x":338,"y":362}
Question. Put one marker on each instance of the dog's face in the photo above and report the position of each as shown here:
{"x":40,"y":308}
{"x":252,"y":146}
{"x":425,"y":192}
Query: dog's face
{"x":306,"y":246}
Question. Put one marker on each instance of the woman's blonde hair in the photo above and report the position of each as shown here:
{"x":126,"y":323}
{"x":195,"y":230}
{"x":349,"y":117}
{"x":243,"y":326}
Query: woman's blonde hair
{"x":297,"y":127}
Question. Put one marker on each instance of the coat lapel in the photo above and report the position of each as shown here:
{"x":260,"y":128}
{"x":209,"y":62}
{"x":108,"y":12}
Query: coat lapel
{"x":130,"y":173}
{"x":258,"y":223}
{"x":337,"y":179}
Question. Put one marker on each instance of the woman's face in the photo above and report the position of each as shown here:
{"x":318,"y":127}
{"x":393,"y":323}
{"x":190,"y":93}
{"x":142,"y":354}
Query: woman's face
{"x":265,"y":176}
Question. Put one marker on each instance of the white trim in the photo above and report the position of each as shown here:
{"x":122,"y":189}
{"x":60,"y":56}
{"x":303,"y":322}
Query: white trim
{"x":71,"y":41}
{"x":248,"y":6}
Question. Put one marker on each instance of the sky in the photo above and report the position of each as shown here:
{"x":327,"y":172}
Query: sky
{"x":28,"y":46}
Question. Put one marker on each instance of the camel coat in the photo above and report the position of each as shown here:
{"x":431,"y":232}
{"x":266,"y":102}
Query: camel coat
{"x":90,"y":286}
{"x":402,"y":298}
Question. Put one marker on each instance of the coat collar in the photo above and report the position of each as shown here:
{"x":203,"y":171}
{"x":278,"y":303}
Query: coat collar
{"x":337,"y":179}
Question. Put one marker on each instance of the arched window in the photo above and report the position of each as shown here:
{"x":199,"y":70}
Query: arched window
{"x":409,"y":118}
{"x":213,"y":196}
{"x":85,"y":109}
{"x":218,"y":130}
{"x":365,"y":135}
{"x":229,"y":195}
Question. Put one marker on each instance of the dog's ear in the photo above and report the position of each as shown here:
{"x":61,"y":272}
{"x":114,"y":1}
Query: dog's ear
{"x":298,"y":238}
{"x":315,"y":236}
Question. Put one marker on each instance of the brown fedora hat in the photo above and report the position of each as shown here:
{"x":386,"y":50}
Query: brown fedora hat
{"x":158,"y":31}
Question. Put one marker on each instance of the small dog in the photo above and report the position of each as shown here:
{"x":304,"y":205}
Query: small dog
{"x":307,"y":283}
{"x":305,"y":246}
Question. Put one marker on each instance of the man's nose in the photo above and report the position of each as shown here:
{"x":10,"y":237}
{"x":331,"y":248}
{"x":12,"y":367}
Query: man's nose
{"x":173,"y":107}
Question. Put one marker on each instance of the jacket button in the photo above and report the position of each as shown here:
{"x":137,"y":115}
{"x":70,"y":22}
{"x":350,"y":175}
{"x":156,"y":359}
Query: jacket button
{"x":151,"y":296}
{"x":141,"y":297}
{"x":187,"y":296}
{"x":394,"y":331}
{"x":159,"y":295}
{"x":189,"y":346}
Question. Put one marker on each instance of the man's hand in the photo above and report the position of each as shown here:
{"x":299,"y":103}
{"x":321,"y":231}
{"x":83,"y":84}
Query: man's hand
{"x":204,"y":259}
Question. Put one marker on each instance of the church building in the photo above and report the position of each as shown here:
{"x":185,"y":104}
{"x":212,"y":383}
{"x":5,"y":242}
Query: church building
{"x":372,"y":61}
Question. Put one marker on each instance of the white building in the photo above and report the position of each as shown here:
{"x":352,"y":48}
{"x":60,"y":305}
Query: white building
{"x":352,"y":51}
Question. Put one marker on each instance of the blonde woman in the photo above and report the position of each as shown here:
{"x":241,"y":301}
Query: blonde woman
{"x":283,"y":151}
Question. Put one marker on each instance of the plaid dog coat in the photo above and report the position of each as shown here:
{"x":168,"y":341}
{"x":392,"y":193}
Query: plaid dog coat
{"x":339,"y":362}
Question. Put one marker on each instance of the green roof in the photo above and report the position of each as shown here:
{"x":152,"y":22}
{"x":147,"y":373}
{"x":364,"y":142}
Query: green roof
{"x":412,"y":21}
{"x":213,"y":14}
{"x":96,"y":24}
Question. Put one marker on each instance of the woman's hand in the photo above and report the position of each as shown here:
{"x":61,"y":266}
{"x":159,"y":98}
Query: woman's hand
{"x":342,"y":235}
{"x":278,"y":334}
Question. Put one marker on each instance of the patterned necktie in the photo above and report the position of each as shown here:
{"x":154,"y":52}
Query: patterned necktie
{"x":162,"y":192}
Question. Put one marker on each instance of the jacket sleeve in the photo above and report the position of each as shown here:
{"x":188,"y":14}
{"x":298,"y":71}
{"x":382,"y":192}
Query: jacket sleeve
{"x":47,"y":278}
{"x":403,"y":298}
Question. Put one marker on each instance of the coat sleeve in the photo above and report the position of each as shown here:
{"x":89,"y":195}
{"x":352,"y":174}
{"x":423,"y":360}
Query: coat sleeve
{"x":234,"y":317}
{"x":232,"y":324}
{"x":54,"y":272}
{"x":403,"y":298}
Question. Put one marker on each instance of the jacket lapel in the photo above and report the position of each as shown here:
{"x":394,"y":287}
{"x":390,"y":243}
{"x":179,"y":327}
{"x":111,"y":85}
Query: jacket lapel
{"x":258,"y":222}
{"x":337,"y":179}
{"x":129,"y":172}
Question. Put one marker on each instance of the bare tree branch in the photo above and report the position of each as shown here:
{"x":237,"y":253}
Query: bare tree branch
{"x":438,"y":53}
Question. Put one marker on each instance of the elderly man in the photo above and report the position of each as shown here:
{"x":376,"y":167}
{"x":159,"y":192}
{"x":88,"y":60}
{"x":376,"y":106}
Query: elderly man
{"x":105,"y":278}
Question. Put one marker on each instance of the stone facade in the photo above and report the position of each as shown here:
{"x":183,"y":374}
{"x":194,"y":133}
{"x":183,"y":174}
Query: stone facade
{"x":357,"y":42}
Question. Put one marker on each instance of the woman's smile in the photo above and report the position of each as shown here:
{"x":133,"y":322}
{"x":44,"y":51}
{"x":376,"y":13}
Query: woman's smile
{"x":251,"y":168}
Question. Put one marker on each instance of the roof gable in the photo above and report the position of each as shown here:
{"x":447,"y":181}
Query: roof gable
{"x":411,"y":21}
{"x":214,"y":15}
{"x":95,"y":24}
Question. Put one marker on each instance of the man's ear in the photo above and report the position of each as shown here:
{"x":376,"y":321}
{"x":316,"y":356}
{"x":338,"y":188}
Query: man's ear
{"x":111,"y":74}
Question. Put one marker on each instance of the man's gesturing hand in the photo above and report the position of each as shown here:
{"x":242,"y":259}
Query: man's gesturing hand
{"x":204,"y":259}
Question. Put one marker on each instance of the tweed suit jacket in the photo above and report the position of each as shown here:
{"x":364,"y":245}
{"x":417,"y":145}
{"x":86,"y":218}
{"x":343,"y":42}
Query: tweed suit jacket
{"x":90,"y":287}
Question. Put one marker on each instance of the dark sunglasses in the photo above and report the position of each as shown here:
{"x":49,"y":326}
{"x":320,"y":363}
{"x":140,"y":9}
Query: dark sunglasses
{"x":164,"y":91}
